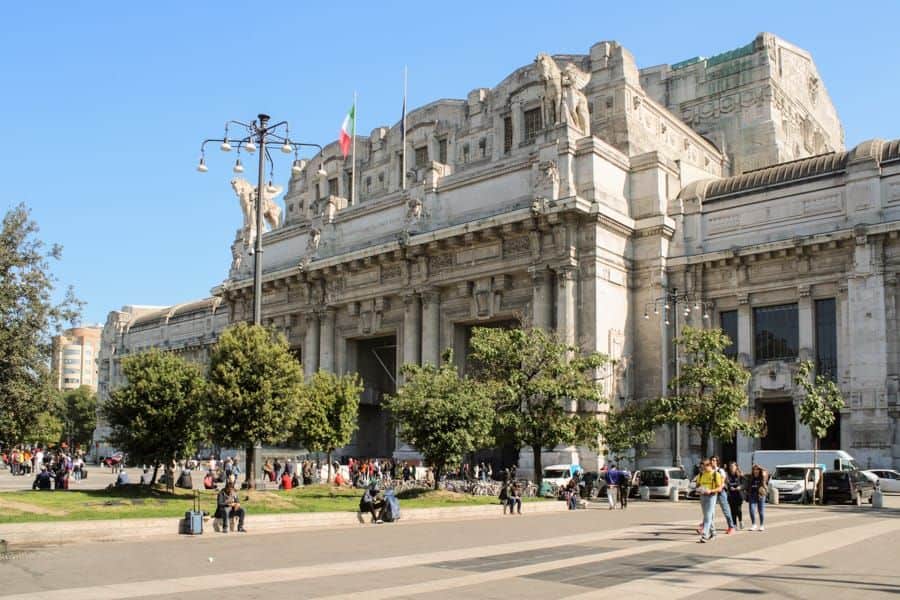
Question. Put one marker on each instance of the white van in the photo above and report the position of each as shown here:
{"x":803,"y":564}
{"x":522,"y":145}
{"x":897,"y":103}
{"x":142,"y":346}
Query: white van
{"x":796,"y":483}
{"x":559,"y":475}
{"x":834,"y":460}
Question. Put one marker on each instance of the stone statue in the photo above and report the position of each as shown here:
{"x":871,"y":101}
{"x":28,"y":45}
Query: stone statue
{"x":574,"y":81}
{"x":547,"y":184}
{"x":414,"y":209}
{"x":312,"y":242}
{"x":246,"y":193}
{"x":552,"y":78}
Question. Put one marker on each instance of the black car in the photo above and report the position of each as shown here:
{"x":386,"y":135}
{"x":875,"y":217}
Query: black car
{"x":847,"y":486}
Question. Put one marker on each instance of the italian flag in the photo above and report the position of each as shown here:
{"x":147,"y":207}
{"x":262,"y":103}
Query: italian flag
{"x":348,"y":130}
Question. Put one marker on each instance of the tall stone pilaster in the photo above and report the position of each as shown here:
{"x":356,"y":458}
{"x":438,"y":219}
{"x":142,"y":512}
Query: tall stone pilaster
{"x":566,"y":279}
{"x":542,"y":301}
{"x":326,"y":341}
{"x":311,"y":345}
{"x":412,"y":329}
{"x":431,"y":327}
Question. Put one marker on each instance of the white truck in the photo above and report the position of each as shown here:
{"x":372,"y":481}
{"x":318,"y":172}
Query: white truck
{"x":830,"y":460}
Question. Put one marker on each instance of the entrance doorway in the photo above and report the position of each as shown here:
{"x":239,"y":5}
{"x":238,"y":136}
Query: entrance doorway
{"x":781,"y":427}
{"x":376,"y":363}
{"x":832,"y":439}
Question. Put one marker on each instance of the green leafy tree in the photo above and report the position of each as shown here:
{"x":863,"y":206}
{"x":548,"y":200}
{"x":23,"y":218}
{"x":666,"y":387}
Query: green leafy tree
{"x":329,"y":411}
{"x":630,"y":427}
{"x":78,"y":411}
{"x":255,"y":386}
{"x":157,"y":415}
{"x":27,"y":318}
{"x":822,"y":401}
{"x":712,"y":389}
{"x":47,"y":430}
{"x":444,"y":416}
{"x":535,"y":381}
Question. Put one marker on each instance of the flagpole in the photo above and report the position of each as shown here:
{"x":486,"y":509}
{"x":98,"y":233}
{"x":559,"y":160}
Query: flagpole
{"x":403,"y":135}
{"x":353,"y":154}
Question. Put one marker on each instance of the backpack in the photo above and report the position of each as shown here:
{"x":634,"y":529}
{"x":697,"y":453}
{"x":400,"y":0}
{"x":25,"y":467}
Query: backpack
{"x":391,"y":510}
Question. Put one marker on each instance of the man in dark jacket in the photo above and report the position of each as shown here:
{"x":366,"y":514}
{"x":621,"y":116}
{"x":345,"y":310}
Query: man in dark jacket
{"x":228,"y":506}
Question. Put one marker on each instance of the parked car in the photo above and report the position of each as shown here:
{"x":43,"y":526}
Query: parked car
{"x":592,"y":485}
{"x":847,"y":486}
{"x":888,"y":479}
{"x":795,"y":483}
{"x":661,"y":480}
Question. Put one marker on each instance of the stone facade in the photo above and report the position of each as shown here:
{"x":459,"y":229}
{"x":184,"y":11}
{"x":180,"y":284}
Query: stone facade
{"x":189,"y":329}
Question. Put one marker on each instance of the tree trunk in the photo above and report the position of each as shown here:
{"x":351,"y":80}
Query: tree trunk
{"x":170,"y":479}
{"x":538,"y":466}
{"x":438,"y":472}
{"x":329,"y":466}
{"x":155,"y":471}
{"x":250,"y":473}
{"x":704,"y":442}
{"x":816,"y":462}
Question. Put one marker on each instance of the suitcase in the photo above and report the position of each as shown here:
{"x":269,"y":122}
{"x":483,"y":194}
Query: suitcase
{"x":193,"y":519}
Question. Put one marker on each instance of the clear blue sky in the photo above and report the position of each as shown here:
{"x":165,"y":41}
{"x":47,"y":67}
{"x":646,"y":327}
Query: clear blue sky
{"x":104,"y":104}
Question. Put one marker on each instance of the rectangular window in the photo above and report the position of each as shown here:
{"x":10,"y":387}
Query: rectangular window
{"x":421,"y":156}
{"x":317,"y":192}
{"x":532,"y":124}
{"x":728,"y":321}
{"x":826,"y":338}
{"x":507,"y":134}
{"x":401,"y":176}
{"x":775,"y":333}
{"x":442,"y":151}
{"x":350,"y":186}
{"x":333,"y":186}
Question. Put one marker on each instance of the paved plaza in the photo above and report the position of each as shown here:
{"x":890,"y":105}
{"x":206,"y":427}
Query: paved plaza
{"x":648,"y":551}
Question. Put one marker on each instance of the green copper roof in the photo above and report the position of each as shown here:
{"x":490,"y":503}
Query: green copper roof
{"x":688,"y":62}
{"x":730,"y":55}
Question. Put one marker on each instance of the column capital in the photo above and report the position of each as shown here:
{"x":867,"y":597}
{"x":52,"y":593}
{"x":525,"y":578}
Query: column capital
{"x":410,"y":298}
{"x":430,"y":296}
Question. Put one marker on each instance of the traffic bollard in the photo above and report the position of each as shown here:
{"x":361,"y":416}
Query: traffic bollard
{"x":673,"y":494}
{"x":644,"y":492}
{"x":877,"y":499}
{"x":773,"y":495}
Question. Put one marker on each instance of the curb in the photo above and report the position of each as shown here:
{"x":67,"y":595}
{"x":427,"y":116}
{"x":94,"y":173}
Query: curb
{"x":68,"y":532}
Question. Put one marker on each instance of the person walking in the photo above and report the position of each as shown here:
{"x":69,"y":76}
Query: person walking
{"x":611,"y":477}
{"x":709,"y":484}
{"x":722,"y":498}
{"x":734,"y":485}
{"x":757,"y":490}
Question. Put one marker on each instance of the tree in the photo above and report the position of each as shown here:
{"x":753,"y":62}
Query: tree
{"x":157,"y":416}
{"x":712,"y":389}
{"x":255,"y":385}
{"x":819,"y":408}
{"x":329,"y":410}
{"x":444,"y":416}
{"x":46,"y":430}
{"x":78,"y":410}
{"x":536,"y":381}
{"x":632,"y":426}
{"x":27,"y":317}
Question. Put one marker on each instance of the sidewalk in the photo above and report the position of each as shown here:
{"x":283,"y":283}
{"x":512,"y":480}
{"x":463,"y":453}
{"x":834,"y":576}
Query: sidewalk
{"x":69,"y":532}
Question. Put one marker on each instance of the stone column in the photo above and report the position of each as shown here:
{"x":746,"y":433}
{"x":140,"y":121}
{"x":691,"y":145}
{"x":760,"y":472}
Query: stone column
{"x":541,"y":302}
{"x":412,"y":329}
{"x":326,"y":341}
{"x":744,"y":445}
{"x":806,"y":340}
{"x":566,"y":279}
{"x":431,"y":327}
{"x":311,"y":344}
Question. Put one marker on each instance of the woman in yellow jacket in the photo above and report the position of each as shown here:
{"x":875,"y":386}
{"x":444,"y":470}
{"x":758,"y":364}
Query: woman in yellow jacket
{"x":709,"y":483}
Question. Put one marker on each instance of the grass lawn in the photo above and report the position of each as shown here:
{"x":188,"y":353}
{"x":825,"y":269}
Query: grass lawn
{"x":135,"y":502}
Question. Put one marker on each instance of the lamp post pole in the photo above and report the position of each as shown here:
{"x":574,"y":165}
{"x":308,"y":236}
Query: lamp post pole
{"x":668,"y":305}
{"x":258,"y":247}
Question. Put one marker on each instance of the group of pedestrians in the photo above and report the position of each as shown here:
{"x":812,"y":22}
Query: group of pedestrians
{"x":53,"y":469}
{"x":729,"y":489}
{"x":618,"y":486}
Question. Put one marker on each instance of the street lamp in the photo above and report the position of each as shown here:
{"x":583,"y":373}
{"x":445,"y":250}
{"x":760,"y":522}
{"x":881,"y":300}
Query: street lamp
{"x":668,"y":306}
{"x":257,"y":134}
